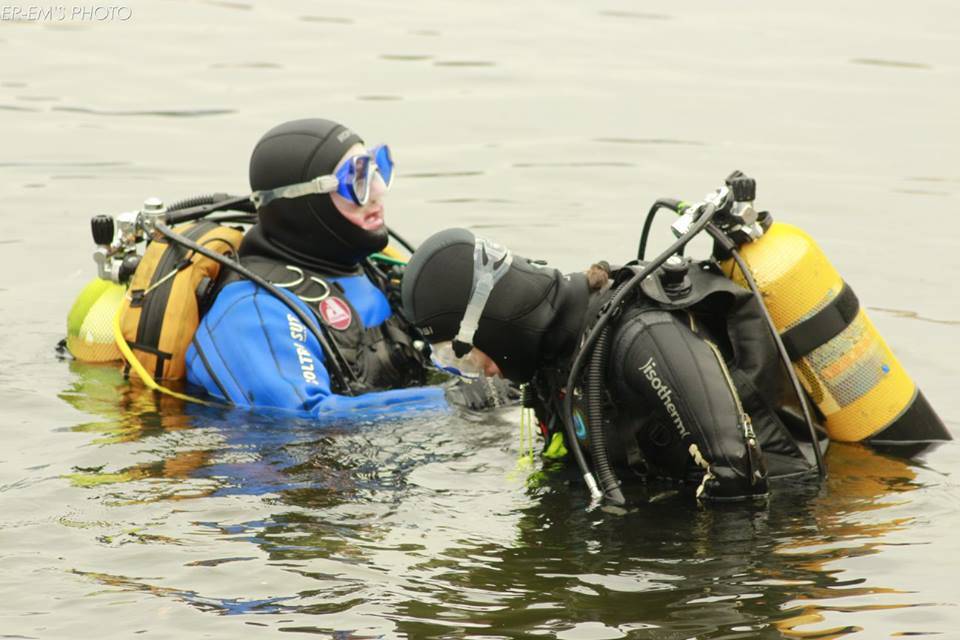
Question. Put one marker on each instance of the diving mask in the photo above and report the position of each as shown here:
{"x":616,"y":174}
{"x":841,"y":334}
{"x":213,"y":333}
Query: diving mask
{"x":352,"y":180}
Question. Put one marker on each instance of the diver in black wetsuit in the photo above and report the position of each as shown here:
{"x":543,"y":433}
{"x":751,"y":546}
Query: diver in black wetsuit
{"x":691,"y":389}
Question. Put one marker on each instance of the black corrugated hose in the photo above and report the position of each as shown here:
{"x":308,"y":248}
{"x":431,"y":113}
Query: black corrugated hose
{"x":195,"y":201}
{"x":238,"y":203}
{"x":595,"y":383}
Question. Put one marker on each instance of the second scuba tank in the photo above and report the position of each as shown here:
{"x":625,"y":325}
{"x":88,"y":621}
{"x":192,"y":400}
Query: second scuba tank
{"x":846,"y":367}
{"x":90,"y":322}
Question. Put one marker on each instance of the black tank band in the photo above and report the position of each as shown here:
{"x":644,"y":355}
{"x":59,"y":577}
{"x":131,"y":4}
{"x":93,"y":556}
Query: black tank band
{"x":823,"y":326}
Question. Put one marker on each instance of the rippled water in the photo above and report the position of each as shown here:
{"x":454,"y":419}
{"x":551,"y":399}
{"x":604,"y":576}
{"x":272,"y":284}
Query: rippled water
{"x":551,"y":127}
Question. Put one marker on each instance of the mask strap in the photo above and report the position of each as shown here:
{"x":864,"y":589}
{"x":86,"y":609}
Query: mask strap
{"x":321,"y":184}
{"x":491,"y":262}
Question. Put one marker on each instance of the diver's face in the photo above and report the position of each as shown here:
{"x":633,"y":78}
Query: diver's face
{"x":368,"y":216}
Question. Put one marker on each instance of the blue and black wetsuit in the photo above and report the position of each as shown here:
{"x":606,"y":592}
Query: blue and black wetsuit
{"x":252,"y":351}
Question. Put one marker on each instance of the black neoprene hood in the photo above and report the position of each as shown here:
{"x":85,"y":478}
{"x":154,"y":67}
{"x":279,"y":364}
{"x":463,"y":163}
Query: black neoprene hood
{"x":532,"y":316}
{"x":307,"y":231}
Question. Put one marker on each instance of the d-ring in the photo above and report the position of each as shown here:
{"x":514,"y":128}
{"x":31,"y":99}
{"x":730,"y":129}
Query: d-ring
{"x":292,"y":283}
{"x":322,"y":296}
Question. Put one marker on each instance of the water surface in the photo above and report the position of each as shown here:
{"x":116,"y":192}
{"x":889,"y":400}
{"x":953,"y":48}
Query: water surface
{"x":550,"y":127}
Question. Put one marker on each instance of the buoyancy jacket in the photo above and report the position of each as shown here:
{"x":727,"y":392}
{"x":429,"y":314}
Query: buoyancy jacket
{"x":250,"y":350}
{"x":694,"y":390}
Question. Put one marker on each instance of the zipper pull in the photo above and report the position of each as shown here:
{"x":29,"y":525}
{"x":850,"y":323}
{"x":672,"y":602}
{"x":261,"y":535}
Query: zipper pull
{"x":758,"y":469}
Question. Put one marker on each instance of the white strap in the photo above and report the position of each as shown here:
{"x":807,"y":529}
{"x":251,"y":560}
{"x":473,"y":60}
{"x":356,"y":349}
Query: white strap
{"x":491,"y":262}
{"x":320,"y":184}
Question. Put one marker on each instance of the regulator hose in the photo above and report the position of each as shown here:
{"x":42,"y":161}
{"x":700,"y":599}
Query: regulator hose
{"x":202,"y":206}
{"x":240,"y":203}
{"x":336,"y":362}
{"x":396,"y":236}
{"x":194,"y":201}
{"x":676,"y":206}
{"x":596,"y":376}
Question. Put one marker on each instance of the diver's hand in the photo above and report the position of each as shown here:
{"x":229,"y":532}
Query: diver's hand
{"x":483,"y":393}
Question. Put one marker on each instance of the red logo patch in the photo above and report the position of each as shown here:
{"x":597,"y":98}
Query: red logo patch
{"x":336,"y":313}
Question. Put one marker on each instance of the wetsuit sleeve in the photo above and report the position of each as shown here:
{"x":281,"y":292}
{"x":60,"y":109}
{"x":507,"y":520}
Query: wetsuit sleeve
{"x":253,"y":351}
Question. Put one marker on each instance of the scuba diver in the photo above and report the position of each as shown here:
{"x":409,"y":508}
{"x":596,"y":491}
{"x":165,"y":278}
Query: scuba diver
{"x":320,"y":203}
{"x":297,"y":313}
{"x":676,"y":368}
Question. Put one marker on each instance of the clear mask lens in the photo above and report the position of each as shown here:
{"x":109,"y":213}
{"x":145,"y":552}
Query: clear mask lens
{"x":361,"y":178}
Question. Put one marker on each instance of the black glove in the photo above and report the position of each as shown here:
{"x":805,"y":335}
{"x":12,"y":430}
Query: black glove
{"x":483,"y":393}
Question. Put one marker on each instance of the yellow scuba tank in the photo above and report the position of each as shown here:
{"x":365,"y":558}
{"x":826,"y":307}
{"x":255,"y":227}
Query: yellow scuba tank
{"x":90,"y":322}
{"x":846,"y":367}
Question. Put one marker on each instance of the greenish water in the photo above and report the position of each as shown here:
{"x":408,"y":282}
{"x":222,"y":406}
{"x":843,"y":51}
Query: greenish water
{"x":550,"y":127}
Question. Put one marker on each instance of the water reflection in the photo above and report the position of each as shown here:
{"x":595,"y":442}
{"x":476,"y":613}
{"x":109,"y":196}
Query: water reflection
{"x":240,"y":6}
{"x":443,"y":174}
{"x":670,"y":569}
{"x":861,"y":482}
{"x":229,"y":606}
{"x":205,"y":451}
{"x":583,"y":164}
{"x":421,"y":527}
{"x":464,"y":63}
{"x":403,"y":57}
{"x":651,"y":141}
{"x":636,"y":15}
{"x":913,"y":315}
{"x":329,"y":19}
{"x":167,"y":113}
{"x":877,"y":62}
{"x":246,"y":65}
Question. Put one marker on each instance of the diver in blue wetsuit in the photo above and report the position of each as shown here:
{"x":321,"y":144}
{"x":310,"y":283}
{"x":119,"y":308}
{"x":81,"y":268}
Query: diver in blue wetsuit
{"x":319,"y":194}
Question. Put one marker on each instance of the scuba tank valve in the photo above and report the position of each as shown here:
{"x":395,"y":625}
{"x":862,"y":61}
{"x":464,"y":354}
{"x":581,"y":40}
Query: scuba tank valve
{"x":116,"y":239}
{"x":90,"y":319}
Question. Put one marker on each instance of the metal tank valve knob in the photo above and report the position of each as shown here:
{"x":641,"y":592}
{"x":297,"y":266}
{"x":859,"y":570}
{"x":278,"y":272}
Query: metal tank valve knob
{"x":744,"y":187}
{"x":103,"y":229}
